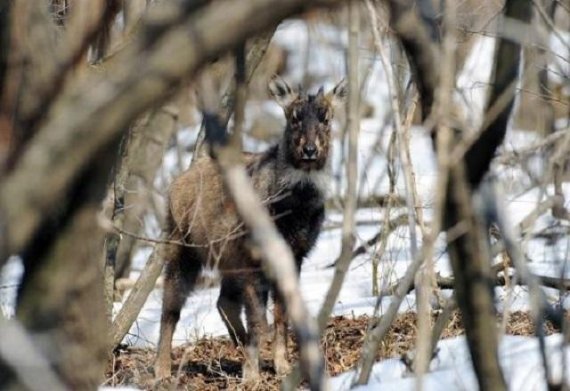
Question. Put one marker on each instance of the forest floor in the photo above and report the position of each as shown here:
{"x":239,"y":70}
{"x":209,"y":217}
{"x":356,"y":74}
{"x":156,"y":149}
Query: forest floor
{"x":215,"y":364}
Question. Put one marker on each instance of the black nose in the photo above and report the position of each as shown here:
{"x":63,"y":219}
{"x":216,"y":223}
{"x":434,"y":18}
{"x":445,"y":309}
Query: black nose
{"x":310,"y":151}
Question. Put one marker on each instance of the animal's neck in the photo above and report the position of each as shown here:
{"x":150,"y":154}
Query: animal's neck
{"x":288,"y":176}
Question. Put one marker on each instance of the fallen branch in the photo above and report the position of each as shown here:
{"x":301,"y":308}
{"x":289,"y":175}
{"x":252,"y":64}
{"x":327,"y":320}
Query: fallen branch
{"x":363,"y":248}
{"x":442,"y":282}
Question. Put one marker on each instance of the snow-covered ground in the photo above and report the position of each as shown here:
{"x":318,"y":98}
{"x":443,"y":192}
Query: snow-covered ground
{"x":452,"y":368}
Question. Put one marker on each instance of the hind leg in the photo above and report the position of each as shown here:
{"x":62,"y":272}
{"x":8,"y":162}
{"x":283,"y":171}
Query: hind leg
{"x":182,"y":269}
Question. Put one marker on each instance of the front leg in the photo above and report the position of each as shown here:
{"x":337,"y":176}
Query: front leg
{"x":230,"y":304}
{"x":280,"y":323}
{"x":280,"y":361}
{"x":256,"y":325}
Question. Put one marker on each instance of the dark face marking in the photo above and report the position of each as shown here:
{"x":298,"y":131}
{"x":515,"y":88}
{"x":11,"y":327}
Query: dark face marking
{"x":308,"y":131}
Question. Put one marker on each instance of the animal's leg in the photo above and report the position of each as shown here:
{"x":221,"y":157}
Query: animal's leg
{"x":182,"y":269}
{"x":280,"y":325}
{"x":280,"y":336}
{"x":230,"y":303}
{"x":256,"y":325}
{"x":262,"y":296}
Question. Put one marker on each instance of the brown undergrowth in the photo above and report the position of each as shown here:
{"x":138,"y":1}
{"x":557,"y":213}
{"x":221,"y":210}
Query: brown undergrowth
{"x":215,"y":364}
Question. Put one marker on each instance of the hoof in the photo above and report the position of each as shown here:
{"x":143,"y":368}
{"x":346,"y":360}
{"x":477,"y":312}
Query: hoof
{"x":250,"y":373}
{"x":250,"y":368}
{"x":162,"y":370}
{"x":282,"y":366}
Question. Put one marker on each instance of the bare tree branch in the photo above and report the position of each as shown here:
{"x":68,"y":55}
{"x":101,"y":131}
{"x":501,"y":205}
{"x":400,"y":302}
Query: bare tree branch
{"x":389,"y":226}
{"x":136,"y":299}
{"x":353,"y":125}
{"x":378,"y":332}
{"x":254,"y":56}
{"x":6,"y":130}
{"x":67,"y":141}
{"x":474,"y":297}
{"x":527,"y":151}
{"x":417,"y":39}
{"x":137,"y":168}
{"x":150,"y":139}
{"x":60,"y":299}
{"x":278,"y":261}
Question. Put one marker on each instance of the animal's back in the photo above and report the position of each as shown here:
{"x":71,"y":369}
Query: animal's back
{"x":203,"y":214}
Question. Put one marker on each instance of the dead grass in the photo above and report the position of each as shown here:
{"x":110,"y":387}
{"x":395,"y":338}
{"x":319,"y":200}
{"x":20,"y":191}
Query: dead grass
{"x":215,"y":364}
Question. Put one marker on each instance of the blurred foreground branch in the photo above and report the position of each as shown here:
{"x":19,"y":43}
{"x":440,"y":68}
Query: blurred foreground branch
{"x":278,"y":261}
{"x":19,"y":352}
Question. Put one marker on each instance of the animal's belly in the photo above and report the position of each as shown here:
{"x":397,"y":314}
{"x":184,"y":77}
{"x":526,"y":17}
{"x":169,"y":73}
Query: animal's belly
{"x":219,"y":241}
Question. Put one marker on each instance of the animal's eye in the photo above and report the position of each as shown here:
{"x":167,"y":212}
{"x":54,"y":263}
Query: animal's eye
{"x":322,"y":116}
{"x":297,"y":116}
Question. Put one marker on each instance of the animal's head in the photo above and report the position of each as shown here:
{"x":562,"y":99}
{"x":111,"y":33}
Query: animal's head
{"x":309,"y":118}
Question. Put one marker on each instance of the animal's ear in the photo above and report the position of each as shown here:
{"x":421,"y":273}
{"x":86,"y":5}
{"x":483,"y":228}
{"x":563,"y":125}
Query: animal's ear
{"x":281,"y":91}
{"x":339,"y":93}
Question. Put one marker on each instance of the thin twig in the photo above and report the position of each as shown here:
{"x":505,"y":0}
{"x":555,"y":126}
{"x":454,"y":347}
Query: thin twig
{"x":512,"y":156}
{"x":353,"y":125}
{"x":387,"y":228}
{"x":225,"y":104}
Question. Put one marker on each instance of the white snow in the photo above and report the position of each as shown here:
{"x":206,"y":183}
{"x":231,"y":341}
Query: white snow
{"x":452,"y":370}
{"x":10,"y":277}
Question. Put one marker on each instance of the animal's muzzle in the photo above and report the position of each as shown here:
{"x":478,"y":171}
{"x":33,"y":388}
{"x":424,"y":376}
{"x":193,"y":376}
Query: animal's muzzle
{"x":310,"y":152}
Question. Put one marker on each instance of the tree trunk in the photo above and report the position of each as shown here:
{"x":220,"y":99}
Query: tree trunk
{"x":133,"y":186}
{"x":60,"y":300}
